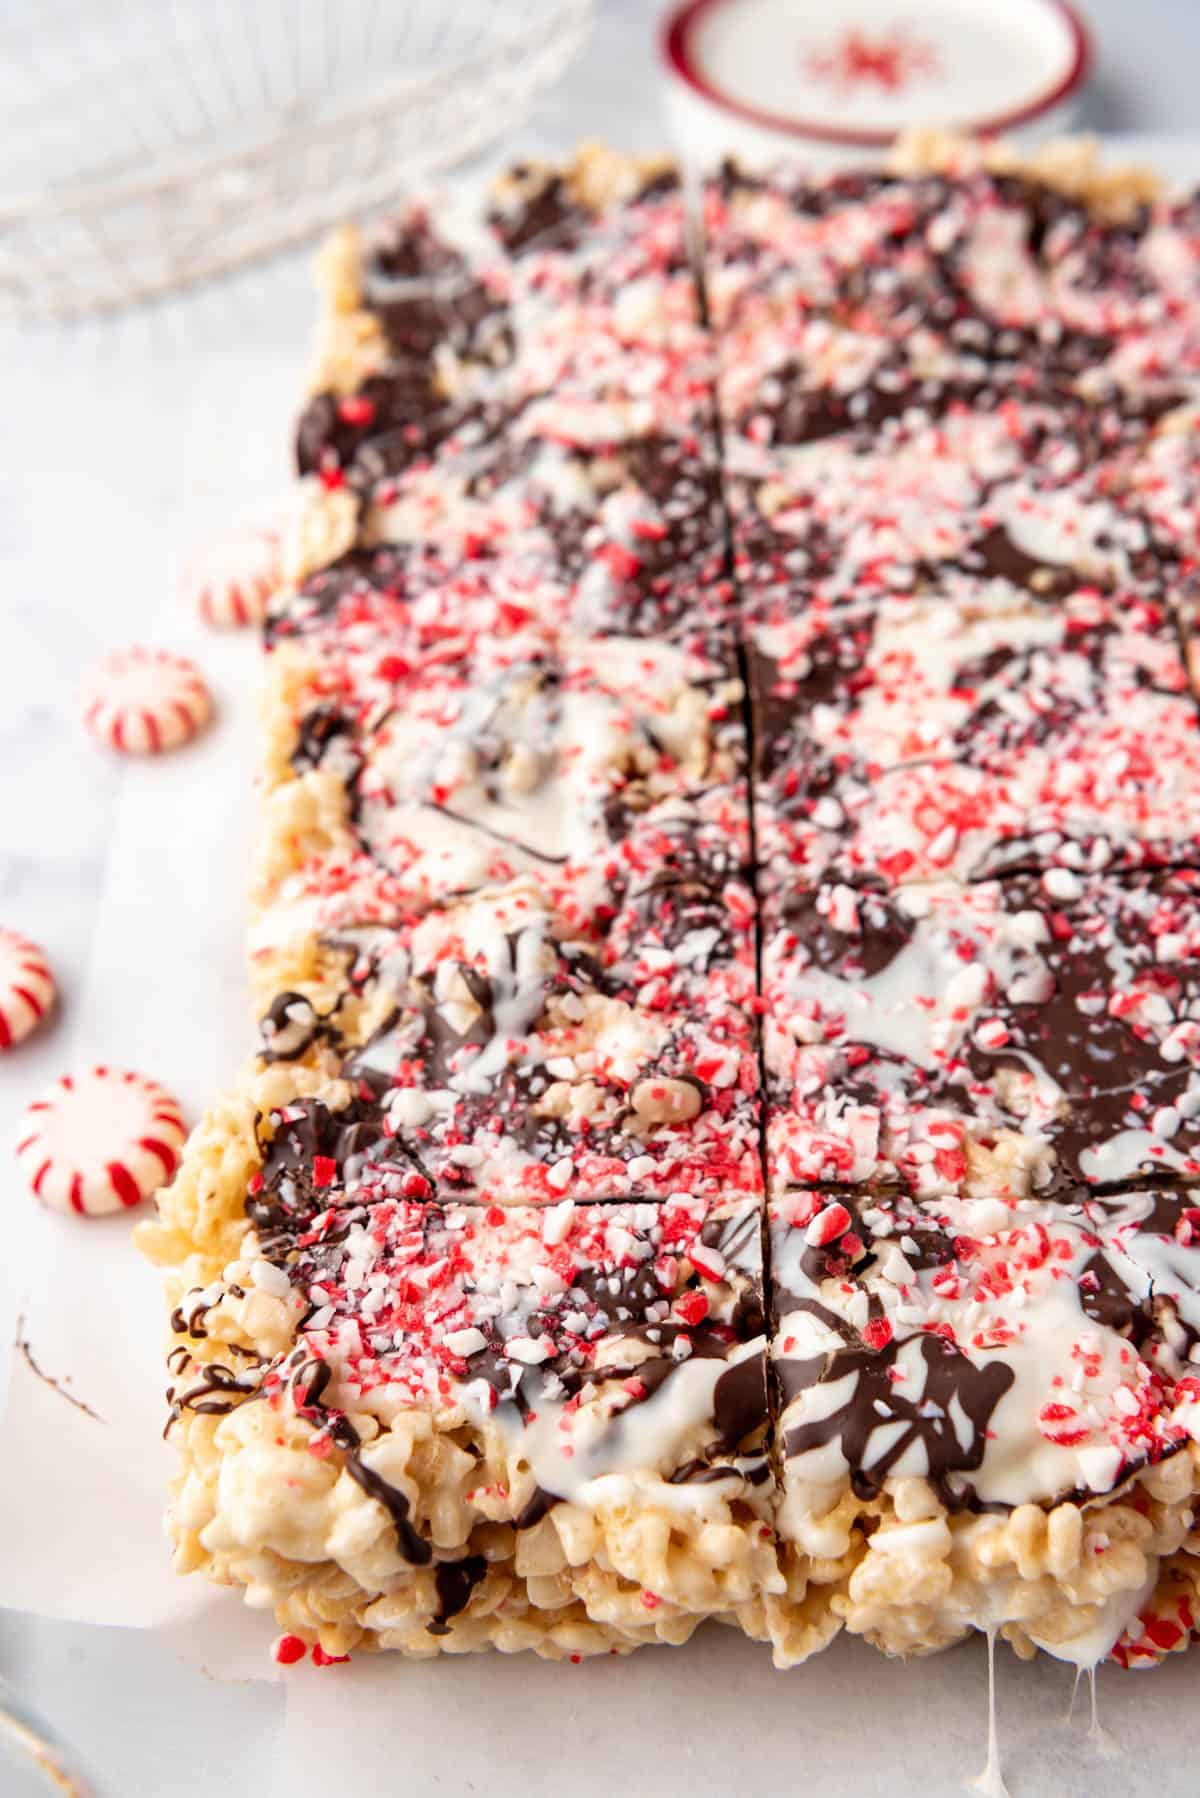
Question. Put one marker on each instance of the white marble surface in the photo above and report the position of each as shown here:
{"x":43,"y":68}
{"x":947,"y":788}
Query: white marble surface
{"x":123,"y":442}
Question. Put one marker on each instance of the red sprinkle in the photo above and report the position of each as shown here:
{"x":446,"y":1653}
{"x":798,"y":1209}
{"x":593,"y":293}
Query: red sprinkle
{"x":877,"y":1333}
{"x":356,"y":409}
{"x":691,"y":1308}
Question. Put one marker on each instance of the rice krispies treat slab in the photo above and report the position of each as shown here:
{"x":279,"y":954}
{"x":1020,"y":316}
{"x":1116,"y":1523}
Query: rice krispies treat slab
{"x":971,"y":731}
{"x":1014,"y":1036}
{"x":431,"y":1428}
{"x":204,"y":1225}
{"x":988,"y":1411}
{"x":493,"y":1055}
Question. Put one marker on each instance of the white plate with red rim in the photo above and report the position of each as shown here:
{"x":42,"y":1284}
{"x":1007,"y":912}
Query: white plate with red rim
{"x":835,"y":85}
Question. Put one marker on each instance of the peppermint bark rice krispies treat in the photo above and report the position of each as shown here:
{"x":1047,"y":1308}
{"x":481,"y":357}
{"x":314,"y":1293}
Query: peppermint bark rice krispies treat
{"x":988,"y":1410}
{"x":972,"y":730}
{"x":538,"y":675}
{"x":433,"y":736}
{"x":442,"y":1427}
{"x":1008,"y":1037}
{"x":844,"y":305}
{"x":583,"y":367}
{"x":971,"y":370}
{"x":493,"y":1054}
{"x":952,"y":395}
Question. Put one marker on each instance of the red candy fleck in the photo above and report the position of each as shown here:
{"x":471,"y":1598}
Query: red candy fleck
{"x":1164,"y":1634}
{"x":877,"y":1333}
{"x":622,"y":563}
{"x":691,"y":1308}
{"x":951,"y":1164}
{"x":828,"y":1225}
{"x":1060,"y":1424}
{"x":357,"y":410}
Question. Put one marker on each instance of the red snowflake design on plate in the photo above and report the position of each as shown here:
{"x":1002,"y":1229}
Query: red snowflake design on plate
{"x":892,"y":60}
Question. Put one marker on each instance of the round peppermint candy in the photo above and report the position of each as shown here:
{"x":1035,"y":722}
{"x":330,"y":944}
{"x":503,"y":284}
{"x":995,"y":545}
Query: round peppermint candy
{"x":26,"y":987}
{"x":100,"y":1141}
{"x":230,"y":579}
{"x":143,"y":701}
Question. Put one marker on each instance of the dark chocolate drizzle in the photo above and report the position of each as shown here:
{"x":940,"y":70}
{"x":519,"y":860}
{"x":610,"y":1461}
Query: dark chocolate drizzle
{"x":310,"y":1378}
{"x":413,"y":1546}
{"x":875,"y":1402}
{"x":455,"y":1582}
{"x":276,"y":1022}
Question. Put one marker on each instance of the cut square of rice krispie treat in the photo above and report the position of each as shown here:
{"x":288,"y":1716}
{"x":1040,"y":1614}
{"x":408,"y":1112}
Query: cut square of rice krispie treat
{"x":557,"y":481}
{"x":561,"y":269}
{"x":551,"y":759}
{"x":623,"y":536}
{"x":488,"y":1052}
{"x":437,"y":1427}
{"x":988,"y":1410}
{"x":567,"y":322}
{"x":1007,"y":1037}
{"x":421,"y":598}
{"x":926,"y":374}
{"x":631,"y":524}
{"x":1050,"y":495}
{"x":863,"y":292}
{"x":431,"y":739}
{"x":970,"y":732}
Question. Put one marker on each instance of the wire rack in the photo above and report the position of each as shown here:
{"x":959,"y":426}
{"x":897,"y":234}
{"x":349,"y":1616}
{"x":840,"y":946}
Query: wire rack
{"x":150,"y":144}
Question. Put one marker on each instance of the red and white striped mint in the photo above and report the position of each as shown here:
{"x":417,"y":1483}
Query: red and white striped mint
{"x":143,"y":701}
{"x":26,"y":987}
{"x":100,"y":1141}
{"x":230,"y":579}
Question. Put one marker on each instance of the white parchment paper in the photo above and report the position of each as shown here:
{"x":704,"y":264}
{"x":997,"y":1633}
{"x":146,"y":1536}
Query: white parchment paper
{"x":131,"y":873}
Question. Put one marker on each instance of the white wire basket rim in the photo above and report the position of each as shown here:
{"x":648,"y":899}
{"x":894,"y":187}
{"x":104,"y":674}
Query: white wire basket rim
{"x":199,"y":213}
